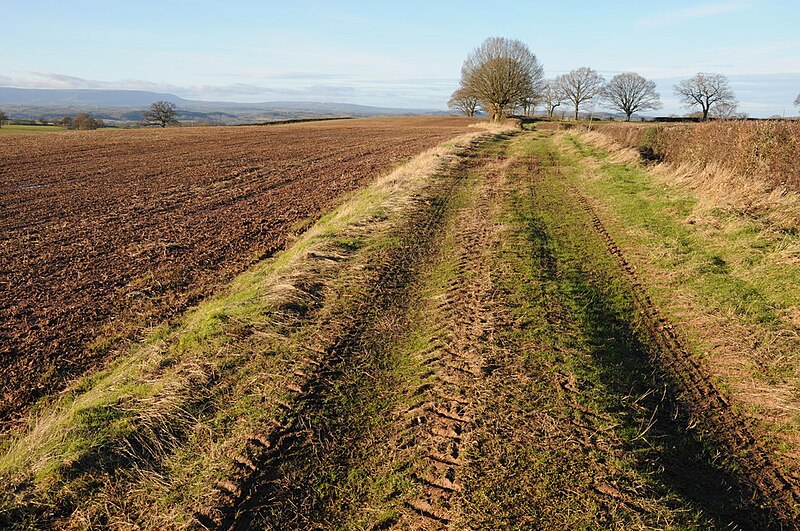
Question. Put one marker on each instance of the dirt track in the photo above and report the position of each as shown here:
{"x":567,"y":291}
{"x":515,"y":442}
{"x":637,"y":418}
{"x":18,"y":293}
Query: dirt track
{"x":104,"y":232}
{"x":504,"y":429}
{"x":495,"y":440}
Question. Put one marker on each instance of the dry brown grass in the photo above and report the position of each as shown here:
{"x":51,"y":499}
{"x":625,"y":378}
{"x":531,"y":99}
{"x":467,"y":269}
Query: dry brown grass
{"x":766,"y":150}
{"x":728,"y":165}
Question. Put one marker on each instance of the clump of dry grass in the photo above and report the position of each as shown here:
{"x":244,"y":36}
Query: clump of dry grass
{"x":720,"y":187}
{"x":618,"y":153}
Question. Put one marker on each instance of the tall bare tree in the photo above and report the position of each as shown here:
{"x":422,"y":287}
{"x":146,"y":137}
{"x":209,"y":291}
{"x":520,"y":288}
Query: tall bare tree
{"x":84,"y":121}
{"x":162,"y":113}
{"x":3,"y":118}
{"x":707,"y":91}
{"x":552,"y":96}
{"x":500,"y":73}
{"x":629,"y":92}
{"x":724,"y":111}
{"x":463,"y":101}
{"x":580,"y":85}
{"x":528,"y":102}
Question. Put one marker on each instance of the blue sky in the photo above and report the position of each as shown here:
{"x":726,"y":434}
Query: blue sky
{"x":400,"y":54}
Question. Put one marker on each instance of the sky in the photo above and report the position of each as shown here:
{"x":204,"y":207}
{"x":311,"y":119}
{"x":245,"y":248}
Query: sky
{"x":389,"y":53}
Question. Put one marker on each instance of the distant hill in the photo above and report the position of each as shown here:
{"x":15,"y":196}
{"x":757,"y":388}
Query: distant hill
{"x":126,"y":106}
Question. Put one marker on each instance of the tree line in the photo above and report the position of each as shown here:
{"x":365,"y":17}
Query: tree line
{"x":502,"y":76}
{"x":160,"y":113}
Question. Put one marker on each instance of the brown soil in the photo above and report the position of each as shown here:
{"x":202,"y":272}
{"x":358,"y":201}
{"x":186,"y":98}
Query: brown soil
{"x":104,"y":232}
{"x":460,"y":359}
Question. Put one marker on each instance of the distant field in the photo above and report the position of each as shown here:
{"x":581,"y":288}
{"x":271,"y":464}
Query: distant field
{"x":104,"y":232}
{"x":6,"y":129}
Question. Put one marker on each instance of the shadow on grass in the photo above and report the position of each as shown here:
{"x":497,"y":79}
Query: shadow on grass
{"x":628,"y":384}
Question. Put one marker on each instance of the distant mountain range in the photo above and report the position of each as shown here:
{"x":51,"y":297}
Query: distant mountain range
{"x":126,"y":106}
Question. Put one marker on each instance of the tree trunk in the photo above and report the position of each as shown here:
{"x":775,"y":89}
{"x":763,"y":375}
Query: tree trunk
{"x":576,"y":112}
{"x":628,"y":117}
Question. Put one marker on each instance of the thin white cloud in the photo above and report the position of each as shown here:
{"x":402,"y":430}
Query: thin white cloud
{"x":53,"y":80}
{"x":422,"y":93}
{"x":676,"y":16}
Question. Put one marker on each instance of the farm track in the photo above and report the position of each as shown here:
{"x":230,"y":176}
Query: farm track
{"x":471,"y":363}
{"x":460,"y":356}
{"x":264,"y":494}
{"x":103,"y":233}
{"x":474,"y":377}
{"x":700,"y":397}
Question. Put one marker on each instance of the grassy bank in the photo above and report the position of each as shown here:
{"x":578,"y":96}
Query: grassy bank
{"x":764,"y":150}
{"x":726,"y":278}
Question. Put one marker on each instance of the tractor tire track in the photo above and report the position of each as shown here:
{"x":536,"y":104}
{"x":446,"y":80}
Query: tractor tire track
{"x":700,"y":396}
{"x":261,"y":495}
{"x":459,"y":358}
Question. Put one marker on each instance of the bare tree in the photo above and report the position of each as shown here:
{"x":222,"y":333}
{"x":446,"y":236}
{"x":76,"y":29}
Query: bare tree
{"x":580,"y":85}
{"x":528,"y":102}
{"x":797,"y":101}
{"x":84,"y":121}
{"x":463,"y":101}
{"x":161,"y":113}
{"x":552,"y":96}
{"x":500,"y":73}
{"x":724,"y":111}
{"x":3,"y":118}
{"x":707,"y":91}
{"x":629,"y":92}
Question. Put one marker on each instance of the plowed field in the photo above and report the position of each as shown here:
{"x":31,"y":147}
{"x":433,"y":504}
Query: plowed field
{"x":104,"y":232}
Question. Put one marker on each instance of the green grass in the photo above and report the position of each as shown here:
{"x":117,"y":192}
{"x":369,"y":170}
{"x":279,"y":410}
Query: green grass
{"x":729,"y":264}
{"x":575,"y":321}
{"x":10,"y":129}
